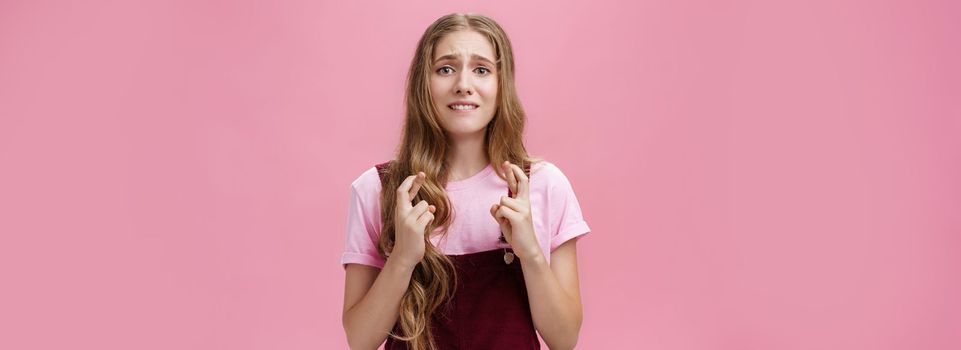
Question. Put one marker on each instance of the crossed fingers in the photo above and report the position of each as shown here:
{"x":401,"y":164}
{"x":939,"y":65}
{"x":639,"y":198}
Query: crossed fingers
{"x":408,"y":190}
{"x":517,"y":180}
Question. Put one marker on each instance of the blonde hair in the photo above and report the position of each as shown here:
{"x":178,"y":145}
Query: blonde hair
{"x":424,"y":147}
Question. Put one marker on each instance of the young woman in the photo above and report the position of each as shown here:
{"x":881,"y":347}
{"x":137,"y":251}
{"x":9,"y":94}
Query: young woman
{"x":448,"y":256}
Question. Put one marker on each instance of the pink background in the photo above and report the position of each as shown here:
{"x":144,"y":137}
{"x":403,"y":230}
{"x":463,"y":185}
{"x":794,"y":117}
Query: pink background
{"x":757,"y":175}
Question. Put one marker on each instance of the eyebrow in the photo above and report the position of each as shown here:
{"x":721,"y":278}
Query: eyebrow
{"x":475,"y":57}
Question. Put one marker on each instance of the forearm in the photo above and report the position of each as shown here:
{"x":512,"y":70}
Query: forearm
{"x":557,"y":315}
{"x":368,"y":321}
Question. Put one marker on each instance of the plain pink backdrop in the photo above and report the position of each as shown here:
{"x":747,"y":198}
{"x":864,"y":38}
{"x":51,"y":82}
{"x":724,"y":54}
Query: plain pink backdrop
{"x":757,"y":175}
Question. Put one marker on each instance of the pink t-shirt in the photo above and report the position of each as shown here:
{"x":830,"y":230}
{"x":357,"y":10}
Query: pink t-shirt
{"x":554,"y":209}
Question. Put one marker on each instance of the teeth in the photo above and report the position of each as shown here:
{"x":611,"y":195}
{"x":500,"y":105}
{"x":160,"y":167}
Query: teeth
{"x":462,"y":107}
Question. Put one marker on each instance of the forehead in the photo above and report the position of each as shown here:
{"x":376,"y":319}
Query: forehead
{"x":463,"y":45}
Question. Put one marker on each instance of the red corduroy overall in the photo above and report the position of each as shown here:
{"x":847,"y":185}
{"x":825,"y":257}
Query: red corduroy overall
{"x":488,"y":310}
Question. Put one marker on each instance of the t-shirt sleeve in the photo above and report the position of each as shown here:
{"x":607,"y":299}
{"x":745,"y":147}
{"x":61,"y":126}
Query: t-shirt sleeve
{"x":567,"y":221}
{"x":363,"y":223}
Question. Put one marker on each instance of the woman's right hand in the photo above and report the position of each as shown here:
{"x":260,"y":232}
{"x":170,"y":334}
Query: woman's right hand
{"x":410,"y":222}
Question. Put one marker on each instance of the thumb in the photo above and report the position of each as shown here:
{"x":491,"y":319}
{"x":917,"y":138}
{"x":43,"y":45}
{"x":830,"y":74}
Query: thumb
{"x":503,"y":221}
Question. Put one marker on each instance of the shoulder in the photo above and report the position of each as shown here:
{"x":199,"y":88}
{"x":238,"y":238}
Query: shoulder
{"x":547,"y":175}
{"x":367,"y":184}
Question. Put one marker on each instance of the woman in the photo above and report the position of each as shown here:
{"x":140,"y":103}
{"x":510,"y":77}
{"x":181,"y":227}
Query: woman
{"x":451,"y":257}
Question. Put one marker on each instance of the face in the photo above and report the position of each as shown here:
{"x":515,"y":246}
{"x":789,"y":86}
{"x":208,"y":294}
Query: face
{"x":463,"y":83}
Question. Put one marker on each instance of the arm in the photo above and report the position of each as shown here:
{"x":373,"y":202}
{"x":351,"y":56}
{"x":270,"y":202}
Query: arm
{"x":552,"y":289}
{"x":372,"y":301}
{"x":372,"y":298}
{"x":554,"y":295}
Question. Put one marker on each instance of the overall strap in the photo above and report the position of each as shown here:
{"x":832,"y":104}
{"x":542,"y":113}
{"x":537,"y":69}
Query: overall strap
{"x":382,"y":171}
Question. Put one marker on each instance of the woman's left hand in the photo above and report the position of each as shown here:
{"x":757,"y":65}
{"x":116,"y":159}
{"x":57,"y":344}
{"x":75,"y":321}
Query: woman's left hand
{"x":514,"y":214}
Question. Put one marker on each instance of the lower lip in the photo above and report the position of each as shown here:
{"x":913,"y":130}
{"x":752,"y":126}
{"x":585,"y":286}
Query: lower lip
{"x":462,"y":110}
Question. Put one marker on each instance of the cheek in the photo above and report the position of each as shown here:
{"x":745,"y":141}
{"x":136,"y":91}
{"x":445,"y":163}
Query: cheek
{"x":488,"y":90}
{"x":438,"y":87}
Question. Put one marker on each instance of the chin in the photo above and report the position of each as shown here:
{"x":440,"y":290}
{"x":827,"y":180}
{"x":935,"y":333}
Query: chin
{"x":463,"y":130}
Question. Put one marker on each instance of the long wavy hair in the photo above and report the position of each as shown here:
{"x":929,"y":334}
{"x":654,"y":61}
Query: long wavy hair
{"x":424,"y":147}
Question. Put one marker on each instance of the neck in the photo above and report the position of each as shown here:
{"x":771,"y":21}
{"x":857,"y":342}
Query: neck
{"x":466,"y":156}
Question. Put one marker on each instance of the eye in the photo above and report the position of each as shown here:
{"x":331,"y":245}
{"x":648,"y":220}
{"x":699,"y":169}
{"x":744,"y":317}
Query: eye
{"x":483,"y":70}
{"x":445,"y":70}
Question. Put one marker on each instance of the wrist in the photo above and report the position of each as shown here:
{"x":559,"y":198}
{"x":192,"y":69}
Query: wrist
{"x":534,"y":254}
{"x":400,"y":263}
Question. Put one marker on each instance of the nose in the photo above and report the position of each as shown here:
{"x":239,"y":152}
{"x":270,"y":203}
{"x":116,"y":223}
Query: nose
{"x":464,"y":84}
